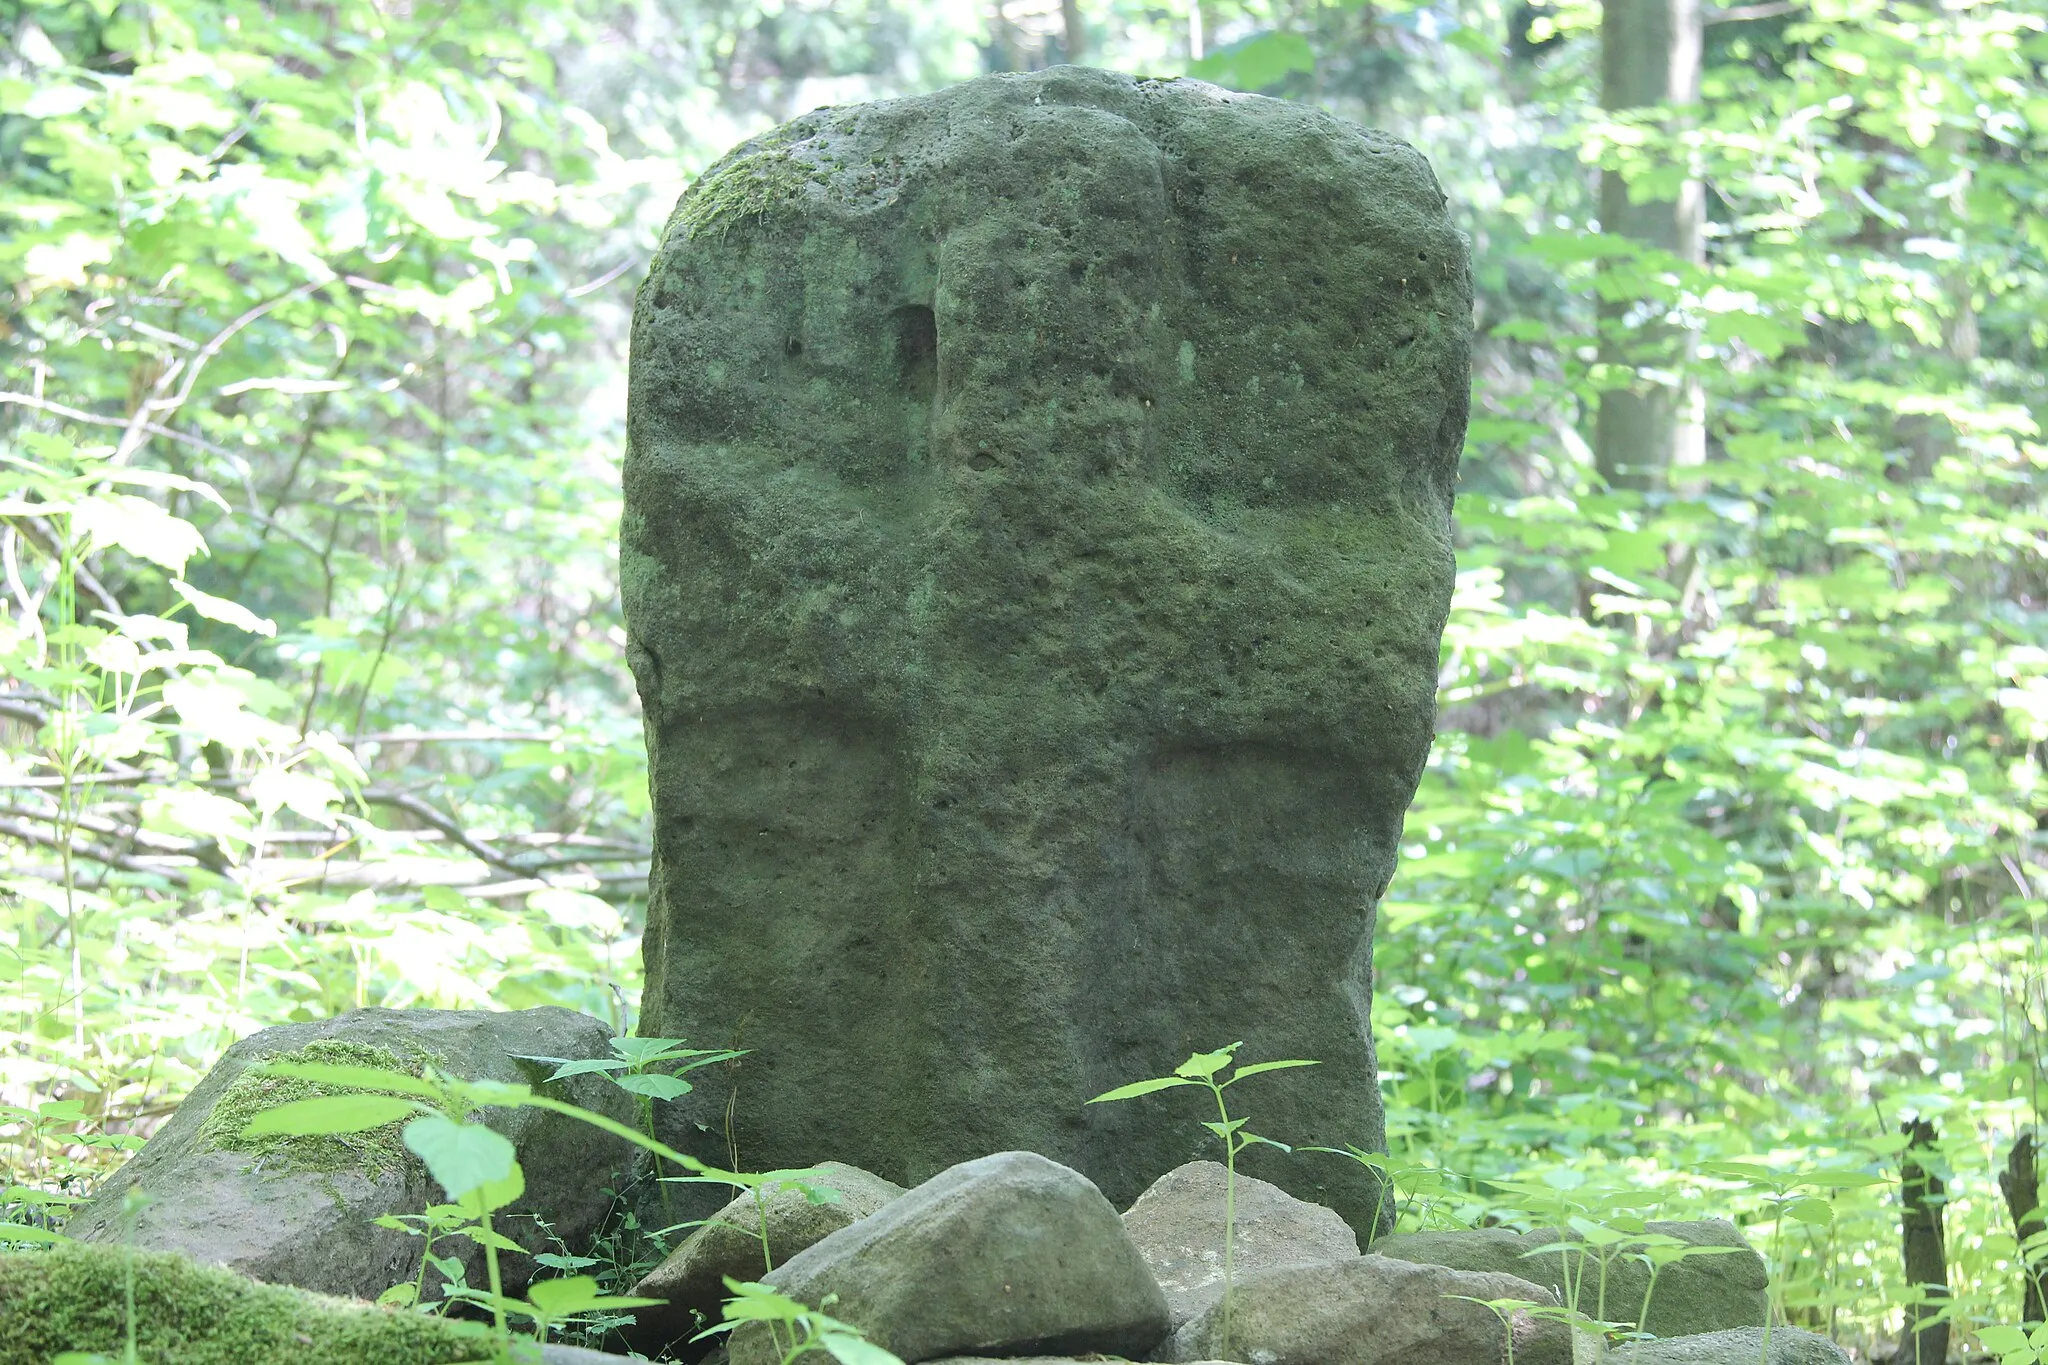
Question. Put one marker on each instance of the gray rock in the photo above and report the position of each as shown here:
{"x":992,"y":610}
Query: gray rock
{"x":1370,"y":1310}
{"x":1008,"y":1255}
{"x":299,"y":1211}
{"x":1178,"y":1228}
{"x":1035,"y":548}
{"x":1736,"y":1346}
{"x":1698,"y":1294}
{"x":692,"y":1279}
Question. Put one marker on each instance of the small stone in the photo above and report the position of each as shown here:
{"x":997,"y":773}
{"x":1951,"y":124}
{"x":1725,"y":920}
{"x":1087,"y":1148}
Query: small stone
{"x":1010,"y":1255}
{"x":1371,"y":1310}
{"x":301,"y":1211}
{"x":1736,"y":1346}
{"x":692,"y":1279}
{"x":1701,"y":1293}
{"x":1178,"y":1227}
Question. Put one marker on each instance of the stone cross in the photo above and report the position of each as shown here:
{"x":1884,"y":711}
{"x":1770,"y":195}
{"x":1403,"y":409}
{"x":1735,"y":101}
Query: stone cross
{"x":1036,"y":544}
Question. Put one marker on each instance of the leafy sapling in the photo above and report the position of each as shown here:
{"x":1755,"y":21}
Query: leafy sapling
{"x":1201,"y":1070}
{"x":641,"y":1067}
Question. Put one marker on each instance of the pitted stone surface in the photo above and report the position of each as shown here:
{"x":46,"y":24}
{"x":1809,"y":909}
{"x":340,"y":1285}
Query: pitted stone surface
{"x":1179,"y":1229}
{"x":1035,"y":551}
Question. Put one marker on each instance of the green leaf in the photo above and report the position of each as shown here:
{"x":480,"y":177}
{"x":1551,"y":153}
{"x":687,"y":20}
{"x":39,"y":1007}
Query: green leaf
{"x":1741,"y":1170}
{"x":222,"y":610}
{"x":1256,"y":1067}
{"x":850,"y":1348}
{"x":1137,"y":1088}
{"x":1812,"y":1210}
{"x":578,"y":1294}
{"x":460,"y":1156}
{"x":330,"y":1114}
{"x":28,"y":1232}
{"x":583,"y":1068}
{"x":653,"y":1085}
{"x":1203,"y":1065}
{"x":1256,"y":62}
{"x":139,"y":526}
{"x":488,"y":1197}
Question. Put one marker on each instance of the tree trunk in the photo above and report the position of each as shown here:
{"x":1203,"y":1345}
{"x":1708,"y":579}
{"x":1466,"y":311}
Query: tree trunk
{"x":1074,"y":32}
{"x":2020,"y":1183}
{"x":1649,"y":56}
{"x":1924,"y":1194}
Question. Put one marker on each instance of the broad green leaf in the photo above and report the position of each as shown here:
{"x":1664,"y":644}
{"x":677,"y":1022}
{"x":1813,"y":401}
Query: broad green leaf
{"x":578,"y":1294}
{"x":222,"y":610}
{"x":460,"y":1156}
{"x":653,"y":1085}
{"x":28,"y":1232}
{"x":1137,"y":1088}
{"x":1811,"y":1209}
{"x":330,"y":1114}
{"x":188,"y":810}
{"x":301,"y":793}
{"x":137,"y":525}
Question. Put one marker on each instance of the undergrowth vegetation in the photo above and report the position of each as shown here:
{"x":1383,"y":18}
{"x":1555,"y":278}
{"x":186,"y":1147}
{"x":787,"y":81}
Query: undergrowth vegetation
{"x":1727,"y":862}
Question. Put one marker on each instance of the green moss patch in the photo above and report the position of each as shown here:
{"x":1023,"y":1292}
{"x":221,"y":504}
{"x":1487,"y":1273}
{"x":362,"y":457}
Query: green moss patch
{"x":372,"y":1152}
{"x":745,"y":186}
{"x":73,"y":1298}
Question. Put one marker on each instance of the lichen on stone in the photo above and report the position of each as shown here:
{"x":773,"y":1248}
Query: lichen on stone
{"x":73,"y":1298}
{"x":371,"y":1152}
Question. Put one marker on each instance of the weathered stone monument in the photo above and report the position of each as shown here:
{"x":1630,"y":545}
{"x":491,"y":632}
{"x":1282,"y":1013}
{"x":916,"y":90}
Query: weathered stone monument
{"x":1037,"y":540}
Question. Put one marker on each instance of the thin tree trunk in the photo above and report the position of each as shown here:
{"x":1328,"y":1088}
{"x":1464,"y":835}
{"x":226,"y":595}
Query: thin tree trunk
{"x":1076,"y":32}
{"x":2020,"y":1183}
{"x":1649,"y":56}
{"x":1926,"y":1252}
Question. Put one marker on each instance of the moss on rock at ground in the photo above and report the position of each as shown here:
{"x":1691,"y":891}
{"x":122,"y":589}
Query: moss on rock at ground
{"x":72,"y":1298}
{"x":372,"y":1152}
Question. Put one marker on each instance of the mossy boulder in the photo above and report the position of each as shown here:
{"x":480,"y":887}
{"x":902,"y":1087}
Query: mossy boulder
{"x":1035,"y":550}
{"x":691,"y":1281}
{"x":302,"y":1210}
{"x":74,"y":1298}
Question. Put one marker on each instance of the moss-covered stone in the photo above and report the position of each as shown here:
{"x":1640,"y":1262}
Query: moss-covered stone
{"x":303,"y":1211}
{"x":73,"y":1298}
{"x":1035,"y":551}
{"x":372,"y":1152}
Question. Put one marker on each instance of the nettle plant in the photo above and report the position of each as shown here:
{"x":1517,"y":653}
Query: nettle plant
{"x":1202,"y":1069}
{"x":478,"y":1170}
{"x":648,"y":1069}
